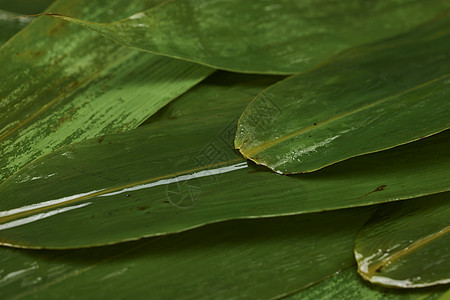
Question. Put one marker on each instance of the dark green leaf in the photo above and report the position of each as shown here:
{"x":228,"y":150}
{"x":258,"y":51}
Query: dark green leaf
{"x":282,"y":37}
{"x":25,"y":7}
{"x":348,"y":285}
{"x":245,"y":259}
{"x":181,"y":171}
{"x":407,"y":244}
{"x":62,"y":84}
{"x":365,"y":100}
{"x":8,"y":26}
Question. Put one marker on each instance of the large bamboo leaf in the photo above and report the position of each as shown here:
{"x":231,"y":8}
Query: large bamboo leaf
{"x":61,"y":83}
{"x":245,"y":259}
{"x":408,"y":244}
{"x":348,"y":285}
{"x":365,"y":100}
{"x":260,"y":36}
{"x":180,"y":171}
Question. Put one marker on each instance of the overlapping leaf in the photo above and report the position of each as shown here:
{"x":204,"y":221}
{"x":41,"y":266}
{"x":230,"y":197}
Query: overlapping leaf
{"x":180,"y":171}
{"x":61,"y":83}
{"x":407,"y":244}
{"x":348,"y":285}
{"x":365,"y":100}
{"x":9,"y":26}
{"x":25,"y":7}
{"x":10,"y":22}
{"x":260,"y":36}
{"x":245,"y":259}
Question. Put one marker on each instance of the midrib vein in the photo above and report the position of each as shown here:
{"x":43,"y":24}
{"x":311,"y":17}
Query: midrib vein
{"x":114,"y":189}
{"x":272,"y":143}
{"x":407,"y":250}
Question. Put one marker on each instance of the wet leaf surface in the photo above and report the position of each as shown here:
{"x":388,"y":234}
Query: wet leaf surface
{"x":365,"y":100}
{"x":407,"y":244}
{"x":262,"y":37}
{"x":180,"y":171}
{"x":348,"y":285}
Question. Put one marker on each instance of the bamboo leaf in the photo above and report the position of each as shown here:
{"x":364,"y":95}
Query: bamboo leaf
{"x":63,"y":84}
{"x":9,"y":26}
{"x":259,"y":36}
{"x":10,"y":12}
{"x":408,"y":244}
{"x":243,"y":259}
{"x":365,"y":100}
{"x":348,"y":285}
{"x":180,"y":172}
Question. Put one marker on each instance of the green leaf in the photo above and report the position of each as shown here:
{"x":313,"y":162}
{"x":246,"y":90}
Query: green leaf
{"x":62,"y":84}
{"x":365,"y":100}
{"x":408,"y":244}
{"x":348,"y":285}
{"x":25,"y":7}
{"x":9,"y":26}
{"x":14,"y":9}
{"x":180,"y":171}
{"x":259,"y":36}
{"x":244,"y":259}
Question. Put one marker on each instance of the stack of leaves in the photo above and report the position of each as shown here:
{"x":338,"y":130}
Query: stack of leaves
{"x":285,"y":149}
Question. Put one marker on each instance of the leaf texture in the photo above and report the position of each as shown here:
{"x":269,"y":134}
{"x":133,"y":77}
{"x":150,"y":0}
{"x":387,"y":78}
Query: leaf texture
{"x":64,"y":84}
{"x":244,"y":259}
{"x":180,"y":171}
{"x":407,"y":244}
{"x":348,"y":285}
{"x":259,"y":36}
{"x":367,"y":99}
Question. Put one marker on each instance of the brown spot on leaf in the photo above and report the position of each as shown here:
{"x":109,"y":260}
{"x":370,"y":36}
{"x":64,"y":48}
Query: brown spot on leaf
{"x":380,"y":188}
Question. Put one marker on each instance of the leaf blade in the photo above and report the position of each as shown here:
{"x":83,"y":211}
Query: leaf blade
{"x":348,"y":285}
{"x":231,"y":259}
{"x":282,"y":38}
{"x":154,"y":186}
{"x":84,"y":87}
{"x":365,"y":100}
{"x":406,"y":246}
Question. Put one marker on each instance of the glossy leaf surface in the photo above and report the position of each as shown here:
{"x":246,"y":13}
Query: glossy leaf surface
{"x":348,"y":285}
{"x":365,"y":100}
{"x":61,"y":83}
{"x":180,"y":171}
{"x":244,"y":259}
{"x":260,"y":36}
{"x":408,"y":244}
